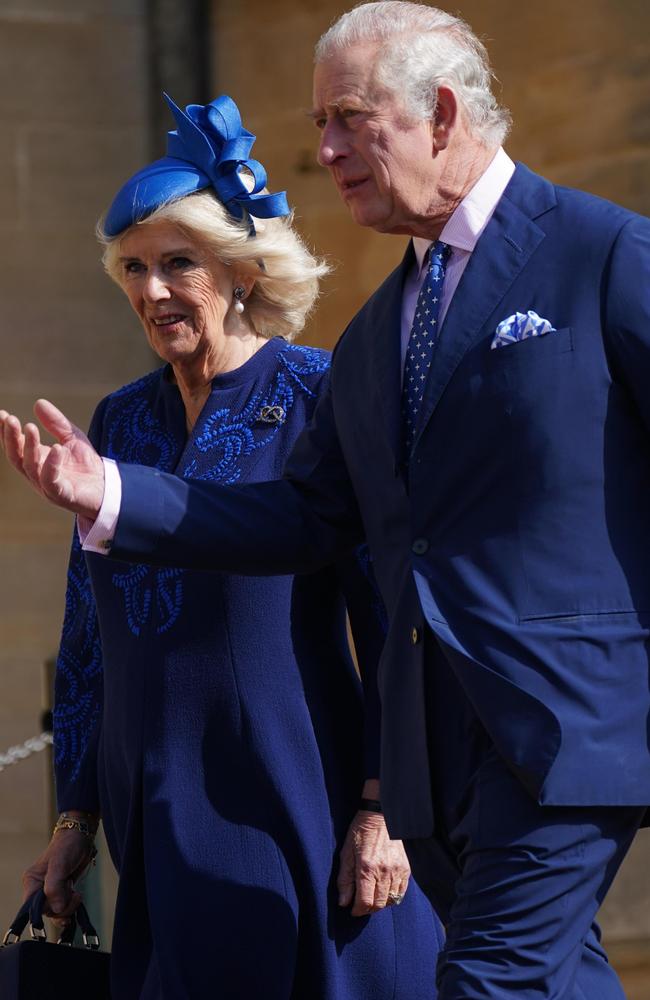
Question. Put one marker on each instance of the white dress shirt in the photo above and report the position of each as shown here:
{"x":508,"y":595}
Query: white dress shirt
{"x":461,"y":233}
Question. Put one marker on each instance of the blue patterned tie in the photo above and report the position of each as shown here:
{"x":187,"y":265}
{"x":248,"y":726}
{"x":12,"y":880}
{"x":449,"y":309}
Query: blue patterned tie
{"x":422,"y":341}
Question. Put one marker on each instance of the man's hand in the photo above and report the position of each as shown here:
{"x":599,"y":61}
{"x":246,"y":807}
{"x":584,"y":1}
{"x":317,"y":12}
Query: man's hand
{"x":371,"y":866}
{"x":70,"y":473}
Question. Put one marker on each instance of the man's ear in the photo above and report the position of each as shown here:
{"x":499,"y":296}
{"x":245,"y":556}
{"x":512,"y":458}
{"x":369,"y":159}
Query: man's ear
{"x":444,"y":118}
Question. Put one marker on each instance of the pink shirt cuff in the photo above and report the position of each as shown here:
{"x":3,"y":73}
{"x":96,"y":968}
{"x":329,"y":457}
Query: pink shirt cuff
{"x":97,"y":536}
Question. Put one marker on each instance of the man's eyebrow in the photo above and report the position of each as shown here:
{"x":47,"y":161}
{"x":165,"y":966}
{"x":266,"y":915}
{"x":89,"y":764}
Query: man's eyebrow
{"x":314,"y":113}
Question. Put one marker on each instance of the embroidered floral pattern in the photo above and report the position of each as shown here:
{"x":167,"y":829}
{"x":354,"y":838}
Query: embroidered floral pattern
{"x":141,"y":591}
{"x":133,"y":433}
{"x":227,"y":438}
{"x":78,"y":670}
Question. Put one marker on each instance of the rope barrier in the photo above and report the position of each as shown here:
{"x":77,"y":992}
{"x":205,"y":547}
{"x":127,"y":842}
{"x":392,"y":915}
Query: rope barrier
{"x":24,"y":750}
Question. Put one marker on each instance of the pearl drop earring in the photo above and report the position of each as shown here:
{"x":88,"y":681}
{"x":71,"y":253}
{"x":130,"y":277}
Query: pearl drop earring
{"x":239,"y":293}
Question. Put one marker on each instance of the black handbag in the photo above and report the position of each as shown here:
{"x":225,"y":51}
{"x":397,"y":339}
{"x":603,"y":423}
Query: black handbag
{"x":37,"y":969}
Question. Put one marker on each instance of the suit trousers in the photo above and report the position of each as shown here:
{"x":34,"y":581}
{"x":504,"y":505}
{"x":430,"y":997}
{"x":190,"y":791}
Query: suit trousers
{"x":516,"y":884}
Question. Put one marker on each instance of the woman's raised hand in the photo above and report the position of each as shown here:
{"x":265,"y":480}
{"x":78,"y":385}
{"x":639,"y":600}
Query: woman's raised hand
{"x":69,"y":473}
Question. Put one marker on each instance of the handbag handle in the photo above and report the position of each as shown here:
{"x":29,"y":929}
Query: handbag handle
{"x":18,"y":924}
{"x":32,"y":911}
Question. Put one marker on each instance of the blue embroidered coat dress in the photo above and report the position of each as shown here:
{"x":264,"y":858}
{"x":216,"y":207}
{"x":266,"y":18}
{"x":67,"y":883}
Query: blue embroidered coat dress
{"x":216,"y":722}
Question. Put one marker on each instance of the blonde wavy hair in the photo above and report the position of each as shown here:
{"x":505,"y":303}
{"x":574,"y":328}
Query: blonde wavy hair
{"x":287,"y":274}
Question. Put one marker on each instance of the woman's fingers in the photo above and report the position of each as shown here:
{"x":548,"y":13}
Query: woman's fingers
{"x":57,"y":869}
{"x":13,"y":441}
{"x":52,"y":474}
{"x":32,"y":882}
{"x":70,"y":473}
{"x":54,"y":421}
{"x":62,"y":900}
{"x":32,"y":454}
{"x":23,"y":447}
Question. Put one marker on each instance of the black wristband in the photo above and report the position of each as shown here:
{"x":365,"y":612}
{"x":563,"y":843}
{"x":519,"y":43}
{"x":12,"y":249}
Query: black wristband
{"x":370,"y":805}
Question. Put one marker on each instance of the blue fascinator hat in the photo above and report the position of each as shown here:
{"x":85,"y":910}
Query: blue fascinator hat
{"x":208,"y":148}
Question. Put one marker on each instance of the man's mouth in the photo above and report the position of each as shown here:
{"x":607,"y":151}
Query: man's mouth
{"x":351,"y":184}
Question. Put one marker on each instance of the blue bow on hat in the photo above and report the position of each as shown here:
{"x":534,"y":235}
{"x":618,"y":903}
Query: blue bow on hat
{"x":209,"y":148}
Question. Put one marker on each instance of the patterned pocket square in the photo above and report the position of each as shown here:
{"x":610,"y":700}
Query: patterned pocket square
{"x":520,"y":326}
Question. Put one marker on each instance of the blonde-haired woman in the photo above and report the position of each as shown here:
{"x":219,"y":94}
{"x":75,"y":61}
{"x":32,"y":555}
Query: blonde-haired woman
{"x":214,"y":722}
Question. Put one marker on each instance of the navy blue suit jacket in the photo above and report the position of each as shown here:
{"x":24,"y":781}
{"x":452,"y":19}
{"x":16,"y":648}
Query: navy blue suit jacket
{"x":525,"y":504}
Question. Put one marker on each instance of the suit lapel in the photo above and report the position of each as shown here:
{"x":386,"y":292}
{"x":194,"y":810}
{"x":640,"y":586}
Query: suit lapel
{"x":504,"y":249}
{"x":384,"y":322}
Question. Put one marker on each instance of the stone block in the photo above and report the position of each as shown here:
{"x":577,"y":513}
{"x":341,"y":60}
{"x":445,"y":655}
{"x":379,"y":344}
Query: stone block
{"x":68,"y":321}
{"x":26,"y":520}
{"x":621,"y":177}
{"x":18,"y":851}
{"x":11,"y":165}
{"x":26,"y":785}
{"x":23,"y":695}
{"x":47,"y":65}
{"x":72,"y":174}
{"x":614,"y":88}
{"x":625,"y":914}
{"x":279,"y":46}
{"x":631,"y":960}
{"x":62,"y":12}
{"x":360,"y":258}
{"x":26,"y":634}
{"x":32,"y":581}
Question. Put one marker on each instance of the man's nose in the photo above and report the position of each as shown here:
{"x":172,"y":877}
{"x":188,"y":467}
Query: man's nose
{"x":332,"y":144}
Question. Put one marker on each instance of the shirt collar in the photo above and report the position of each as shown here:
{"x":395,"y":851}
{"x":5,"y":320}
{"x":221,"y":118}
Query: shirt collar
{"x":463,"y":229}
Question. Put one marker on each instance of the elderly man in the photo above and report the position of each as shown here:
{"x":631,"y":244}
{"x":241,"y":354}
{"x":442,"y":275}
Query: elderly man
{"x":487,"y":430}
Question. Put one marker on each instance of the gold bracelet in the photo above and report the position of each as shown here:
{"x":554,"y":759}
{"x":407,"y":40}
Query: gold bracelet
{"x":66,"y":822}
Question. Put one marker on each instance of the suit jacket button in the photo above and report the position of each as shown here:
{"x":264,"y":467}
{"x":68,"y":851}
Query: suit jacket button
{"x":420,"y":546}
{"x":416,"y":635}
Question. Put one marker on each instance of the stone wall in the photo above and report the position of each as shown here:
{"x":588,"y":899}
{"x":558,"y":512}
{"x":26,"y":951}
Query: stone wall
{"x":74,"y":111}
